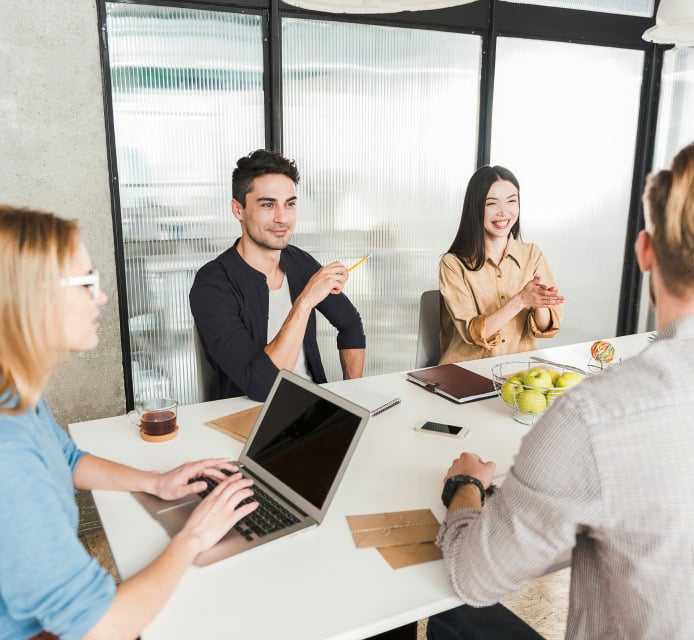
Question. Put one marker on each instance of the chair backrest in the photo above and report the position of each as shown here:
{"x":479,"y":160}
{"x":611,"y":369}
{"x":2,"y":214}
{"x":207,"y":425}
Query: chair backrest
{"x":206,"y":374}
{"x":428,"y":346}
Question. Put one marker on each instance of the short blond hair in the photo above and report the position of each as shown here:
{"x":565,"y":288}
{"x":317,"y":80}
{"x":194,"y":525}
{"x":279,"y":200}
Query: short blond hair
{"x":670,"y":199}
{"x":35,"y":248}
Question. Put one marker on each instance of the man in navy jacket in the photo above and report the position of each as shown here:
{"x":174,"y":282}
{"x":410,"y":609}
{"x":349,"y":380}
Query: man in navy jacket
{"x":254,"y":305}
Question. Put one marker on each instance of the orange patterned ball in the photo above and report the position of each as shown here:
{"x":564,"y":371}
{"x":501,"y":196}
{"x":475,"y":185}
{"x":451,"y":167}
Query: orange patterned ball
{"x":602,"y":351}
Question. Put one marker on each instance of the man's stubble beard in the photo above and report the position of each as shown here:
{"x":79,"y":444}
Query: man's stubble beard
{"x":283,"y":242}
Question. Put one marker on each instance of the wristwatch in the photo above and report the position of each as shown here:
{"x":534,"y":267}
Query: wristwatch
{"x":452,"y":485}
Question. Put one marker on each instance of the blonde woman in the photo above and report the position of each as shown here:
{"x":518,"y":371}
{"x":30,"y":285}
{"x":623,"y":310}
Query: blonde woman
{"x":49,"y":586}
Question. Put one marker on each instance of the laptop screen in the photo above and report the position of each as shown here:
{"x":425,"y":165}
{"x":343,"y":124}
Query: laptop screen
{"x":303,"y":440}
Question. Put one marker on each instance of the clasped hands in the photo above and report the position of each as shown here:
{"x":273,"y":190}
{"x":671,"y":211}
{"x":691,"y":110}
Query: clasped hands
{"x":537,"y":295}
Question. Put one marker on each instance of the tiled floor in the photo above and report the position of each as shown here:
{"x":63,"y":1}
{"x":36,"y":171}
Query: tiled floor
{"x":543,"y":604}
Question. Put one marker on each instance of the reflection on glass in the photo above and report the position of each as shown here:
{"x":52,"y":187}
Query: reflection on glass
{"x":187,"y":103}
{"x":382,"y":123}
{"x":675,"y":130}
{"x":564,"y":121}
{"x":642,"y":8}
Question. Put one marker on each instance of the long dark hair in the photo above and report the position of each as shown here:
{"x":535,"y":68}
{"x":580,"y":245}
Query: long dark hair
{"x":468,"y":244}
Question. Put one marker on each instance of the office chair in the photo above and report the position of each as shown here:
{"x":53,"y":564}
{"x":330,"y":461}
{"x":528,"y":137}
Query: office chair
{"x":206,"y":374}
{"x":428,"y":346}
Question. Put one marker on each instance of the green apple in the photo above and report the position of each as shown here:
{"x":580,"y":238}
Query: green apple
{"x":568,"y":379}
{"x":554,"y":374}
{"x":553,"y":394}
{"x":538,"y":379}
{"x":531,"y":401}
{"x":519,"y":374}
{"x":510,"y":389}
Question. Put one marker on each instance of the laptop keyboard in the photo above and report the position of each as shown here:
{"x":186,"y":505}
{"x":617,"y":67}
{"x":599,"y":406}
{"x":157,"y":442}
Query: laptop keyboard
{"x":268,"y":517}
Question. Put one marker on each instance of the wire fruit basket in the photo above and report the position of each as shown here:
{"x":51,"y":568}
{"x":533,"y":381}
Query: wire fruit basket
{"x":529,"y":388}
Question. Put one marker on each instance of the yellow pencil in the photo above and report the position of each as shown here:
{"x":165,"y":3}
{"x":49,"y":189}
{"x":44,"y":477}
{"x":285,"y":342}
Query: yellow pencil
{"x":356,"y":264}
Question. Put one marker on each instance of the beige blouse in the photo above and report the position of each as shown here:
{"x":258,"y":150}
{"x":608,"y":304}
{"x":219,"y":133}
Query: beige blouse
{"x":468,"y":297}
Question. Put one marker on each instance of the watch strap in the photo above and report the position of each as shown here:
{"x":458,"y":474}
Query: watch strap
{"x":456,"y":481}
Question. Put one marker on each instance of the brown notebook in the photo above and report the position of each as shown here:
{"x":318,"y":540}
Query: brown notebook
{"x":237,"y":425}
{"x":453,"y":382}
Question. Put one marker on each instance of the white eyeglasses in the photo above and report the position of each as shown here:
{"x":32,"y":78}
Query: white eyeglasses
{"x":90,"y":280}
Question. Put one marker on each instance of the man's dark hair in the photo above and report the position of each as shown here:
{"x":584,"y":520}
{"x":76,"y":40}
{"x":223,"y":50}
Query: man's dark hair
{"x":468,"y":244}
{"x":259,"y":163}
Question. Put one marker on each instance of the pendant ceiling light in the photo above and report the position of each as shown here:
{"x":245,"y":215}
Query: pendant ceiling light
{"x":375,"y":6}
{"x":674,"y":24}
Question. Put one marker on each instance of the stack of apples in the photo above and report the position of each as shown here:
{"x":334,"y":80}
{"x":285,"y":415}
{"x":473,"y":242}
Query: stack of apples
{"x":533,"y":390}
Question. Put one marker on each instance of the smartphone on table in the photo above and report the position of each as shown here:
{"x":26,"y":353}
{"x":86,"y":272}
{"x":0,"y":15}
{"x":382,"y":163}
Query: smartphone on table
{"x":442,"y":429}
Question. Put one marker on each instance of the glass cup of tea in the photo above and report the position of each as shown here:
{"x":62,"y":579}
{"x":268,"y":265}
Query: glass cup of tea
{"x":156,"y":419}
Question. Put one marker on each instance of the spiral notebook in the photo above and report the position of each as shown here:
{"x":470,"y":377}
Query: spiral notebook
{"x":373,"y":401}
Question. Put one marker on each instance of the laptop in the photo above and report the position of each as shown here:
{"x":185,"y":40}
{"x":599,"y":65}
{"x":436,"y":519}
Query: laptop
{"x":296,"y":455}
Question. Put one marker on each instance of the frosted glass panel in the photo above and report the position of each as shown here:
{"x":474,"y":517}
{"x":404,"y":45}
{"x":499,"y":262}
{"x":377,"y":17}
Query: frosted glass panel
{"x":675,"y":121}
{"x":382,"y":123}
{"x":564,"y":121}
{"x":675,"y":130}
{"x":642,"y":8}
{"x":187,"y":103}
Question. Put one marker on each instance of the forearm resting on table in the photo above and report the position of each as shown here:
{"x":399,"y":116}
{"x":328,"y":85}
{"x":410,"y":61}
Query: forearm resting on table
{"x":140,"y":598}
{"x":352,"y":362}
{"x":466,"y":497}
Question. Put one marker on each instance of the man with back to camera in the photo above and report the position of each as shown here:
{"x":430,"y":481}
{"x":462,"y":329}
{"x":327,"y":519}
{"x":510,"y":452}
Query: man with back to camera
{"x":254,"y":305}
{"x":608,"y":468}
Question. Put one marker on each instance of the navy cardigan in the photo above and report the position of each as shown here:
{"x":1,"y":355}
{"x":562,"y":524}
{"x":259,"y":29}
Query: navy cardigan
{"x":229,"y":300}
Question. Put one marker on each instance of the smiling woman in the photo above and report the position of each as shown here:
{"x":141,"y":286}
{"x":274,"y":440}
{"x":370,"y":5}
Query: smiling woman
{"x":497,"y":293}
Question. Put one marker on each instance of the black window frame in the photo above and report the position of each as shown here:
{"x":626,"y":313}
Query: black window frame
{"x":486,"y":18}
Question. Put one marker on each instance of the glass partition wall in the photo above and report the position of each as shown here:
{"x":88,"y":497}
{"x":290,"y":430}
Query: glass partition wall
{"x":675,"y":130}
{"x":386,"y":120}
{"x":187,"y":92}
{"x":382,"y":122}
{"x":565,"y":119}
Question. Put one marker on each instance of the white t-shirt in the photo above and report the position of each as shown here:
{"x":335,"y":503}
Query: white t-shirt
{"x":279,"y":308}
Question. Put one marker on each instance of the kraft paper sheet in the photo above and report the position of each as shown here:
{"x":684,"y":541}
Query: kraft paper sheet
{"x":237,"y":425}
{"x":403,"y":538}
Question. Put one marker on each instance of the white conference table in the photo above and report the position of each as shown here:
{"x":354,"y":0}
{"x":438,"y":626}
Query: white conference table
{"x":316,"y":585}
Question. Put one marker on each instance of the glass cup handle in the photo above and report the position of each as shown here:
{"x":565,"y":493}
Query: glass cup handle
{"x":134,"y":418}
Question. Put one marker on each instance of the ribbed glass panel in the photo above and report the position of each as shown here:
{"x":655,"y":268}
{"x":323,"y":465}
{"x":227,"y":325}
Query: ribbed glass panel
{"x":564,"y":121}
{"x":675,"y":121}
{"x":382,"y":123}
{"x":642,"y":8}
{"x":187,"y":89}
{"x":675,"y":130}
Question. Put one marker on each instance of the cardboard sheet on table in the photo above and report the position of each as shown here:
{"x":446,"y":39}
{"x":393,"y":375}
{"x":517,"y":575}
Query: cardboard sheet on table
{"x":410,"y":554}
{"x":237,"y":425}
{"x":393,"y":529}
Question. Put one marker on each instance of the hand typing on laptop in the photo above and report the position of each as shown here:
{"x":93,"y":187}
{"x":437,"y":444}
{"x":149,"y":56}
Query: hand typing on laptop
{"x":218,"y":512}
{"x":176,"y":483}
{"x":300,"y":423}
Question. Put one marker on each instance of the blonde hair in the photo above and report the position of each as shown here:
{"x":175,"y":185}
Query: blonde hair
{"x":670,"y":198}
{"x":35,"y":248}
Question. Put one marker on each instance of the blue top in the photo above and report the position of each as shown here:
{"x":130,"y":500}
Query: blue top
{"x":48,"y":581}
{"x":230,"y":303}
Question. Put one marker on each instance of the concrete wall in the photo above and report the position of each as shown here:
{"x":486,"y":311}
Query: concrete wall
{"x":53,"y":157}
